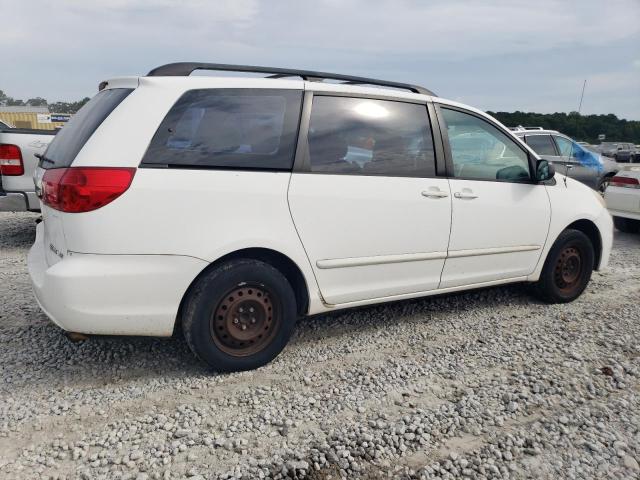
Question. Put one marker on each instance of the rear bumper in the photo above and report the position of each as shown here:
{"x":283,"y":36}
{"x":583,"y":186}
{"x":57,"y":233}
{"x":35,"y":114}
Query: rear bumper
{"x":13,"y":202}
{"x":623,"y":202}
{"x":623,"y":214}
{"x":111,"y":294}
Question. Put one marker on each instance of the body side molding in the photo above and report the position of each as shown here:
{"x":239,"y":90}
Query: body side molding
{"x":417,"y":257}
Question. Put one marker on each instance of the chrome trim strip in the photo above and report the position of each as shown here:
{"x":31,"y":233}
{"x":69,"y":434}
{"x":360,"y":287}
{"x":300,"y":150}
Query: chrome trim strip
{"x":417,"y":257}
{"x":476,"y":252}
{"x":379,"y":260}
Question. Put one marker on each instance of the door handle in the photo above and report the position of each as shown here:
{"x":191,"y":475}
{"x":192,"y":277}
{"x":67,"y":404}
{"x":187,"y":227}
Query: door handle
{"x":465,"y":195}
{"x":435,"y":193}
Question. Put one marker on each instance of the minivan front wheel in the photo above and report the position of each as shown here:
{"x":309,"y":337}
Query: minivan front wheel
{"x":239,"y":315}
{"x":567,"y":269}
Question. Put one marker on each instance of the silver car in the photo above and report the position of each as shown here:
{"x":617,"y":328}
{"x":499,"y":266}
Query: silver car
{"x":619,"y":151}
{"x":569,"y":157}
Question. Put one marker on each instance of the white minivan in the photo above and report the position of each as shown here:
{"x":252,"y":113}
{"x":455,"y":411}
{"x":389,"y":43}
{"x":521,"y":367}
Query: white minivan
{"x":229,"y":207}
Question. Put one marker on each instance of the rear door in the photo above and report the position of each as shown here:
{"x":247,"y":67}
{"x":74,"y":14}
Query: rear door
{"x":579,"y":163}
{"x":557,"y":152}
{"x":373,"y":217}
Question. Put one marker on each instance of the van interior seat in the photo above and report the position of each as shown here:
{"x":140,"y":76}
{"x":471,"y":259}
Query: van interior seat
{"x":327,"y":155}
{"x":390,"y":155}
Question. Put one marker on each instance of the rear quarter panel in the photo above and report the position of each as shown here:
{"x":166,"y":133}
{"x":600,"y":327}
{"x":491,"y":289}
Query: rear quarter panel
{"x":198,"y":213}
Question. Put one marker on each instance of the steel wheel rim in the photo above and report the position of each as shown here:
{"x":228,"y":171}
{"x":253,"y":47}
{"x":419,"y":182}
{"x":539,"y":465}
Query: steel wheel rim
{"x":245,"y":320}
{"x":568,"y":269}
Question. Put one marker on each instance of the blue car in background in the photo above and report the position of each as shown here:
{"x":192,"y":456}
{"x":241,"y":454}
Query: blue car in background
{"x":569,"y":157}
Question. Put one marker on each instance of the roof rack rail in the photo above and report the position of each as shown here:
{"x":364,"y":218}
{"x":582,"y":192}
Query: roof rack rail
{"x":520,"y":128}
{"x":186,"y":68}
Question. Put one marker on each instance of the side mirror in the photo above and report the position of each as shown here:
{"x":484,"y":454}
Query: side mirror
{"x":544,"y":171}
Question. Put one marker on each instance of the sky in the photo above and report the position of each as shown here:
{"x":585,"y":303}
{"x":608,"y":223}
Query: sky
{"x":498,"y":55}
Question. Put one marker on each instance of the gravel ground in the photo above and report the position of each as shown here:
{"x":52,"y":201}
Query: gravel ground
{"x":488,"y":384}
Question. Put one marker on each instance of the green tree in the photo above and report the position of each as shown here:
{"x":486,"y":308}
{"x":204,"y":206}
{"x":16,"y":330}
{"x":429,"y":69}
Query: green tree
{"x":581,"y":127}
{"x":15,"y":102}
{"x":37,"y":102}
{"x":67,"y":107}
{"x":55,"y":107}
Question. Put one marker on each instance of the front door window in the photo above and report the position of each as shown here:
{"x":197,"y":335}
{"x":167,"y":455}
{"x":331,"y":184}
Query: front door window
{"x":479,"y":151}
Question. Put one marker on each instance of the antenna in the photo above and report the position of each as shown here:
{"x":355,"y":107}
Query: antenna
{"x":584,"y":85}
{"x":567,"y":167}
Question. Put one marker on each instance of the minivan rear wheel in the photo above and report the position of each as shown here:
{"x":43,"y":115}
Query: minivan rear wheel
{"x":239,"y":315}
{"x":567,"y":269}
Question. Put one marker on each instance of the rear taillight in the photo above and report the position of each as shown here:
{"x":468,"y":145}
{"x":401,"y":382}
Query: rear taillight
{"x":11,"y":160}
{"x":83,"y":189}
{"x":628,"y":182}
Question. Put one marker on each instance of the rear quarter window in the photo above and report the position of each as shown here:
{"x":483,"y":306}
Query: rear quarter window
{"x":72,"y":137}
{"x":541,"y":144}
{"x":228,"y":128}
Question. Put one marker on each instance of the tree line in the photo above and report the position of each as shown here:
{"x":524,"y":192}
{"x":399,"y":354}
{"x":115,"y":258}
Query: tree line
{"x":54,"y":107}
{"x":580,"y":127}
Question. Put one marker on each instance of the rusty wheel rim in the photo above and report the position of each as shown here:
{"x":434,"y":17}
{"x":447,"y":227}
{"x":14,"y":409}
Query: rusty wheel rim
{"x":245,"y":321}
{"x":568,"y":270}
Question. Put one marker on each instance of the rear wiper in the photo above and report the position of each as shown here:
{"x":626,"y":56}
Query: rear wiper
{"x":42,"y":158}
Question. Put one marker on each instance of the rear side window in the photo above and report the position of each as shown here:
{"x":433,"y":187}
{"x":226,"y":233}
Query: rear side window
{"x":229,"y":128}
{"x":541,"y":144}
{"x":565,"y":146}
{"x":361,"y":136}
{"x":72,"y":137}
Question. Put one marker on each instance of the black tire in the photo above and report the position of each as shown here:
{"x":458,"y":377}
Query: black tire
{"x":627,"y":225}
{"x":604,"y":183}
{"x":567,"y":269}
{"x":232,"y":344}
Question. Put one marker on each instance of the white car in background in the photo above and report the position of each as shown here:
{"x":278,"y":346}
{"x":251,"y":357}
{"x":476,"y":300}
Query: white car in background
{"x":229,"y":207}
{"x":623,"y":199}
